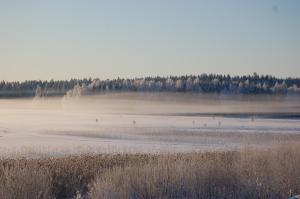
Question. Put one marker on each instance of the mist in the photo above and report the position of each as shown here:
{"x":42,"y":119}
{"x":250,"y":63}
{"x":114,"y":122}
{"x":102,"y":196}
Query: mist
{"x":145,"y":122}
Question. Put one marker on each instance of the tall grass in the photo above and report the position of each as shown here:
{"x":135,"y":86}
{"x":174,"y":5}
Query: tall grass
{"x":272,"y":173}
{"x":56,"y":177}
{"x":249,"y":173}
{"x":20,"y":181}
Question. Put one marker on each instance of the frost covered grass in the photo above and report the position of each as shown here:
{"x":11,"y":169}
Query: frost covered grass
{"x":63,"y":177}
{"x":272,"y":173}
{"x":247,"y":173}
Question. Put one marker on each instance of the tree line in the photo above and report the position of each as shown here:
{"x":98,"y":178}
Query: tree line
{"x":204,"y":83}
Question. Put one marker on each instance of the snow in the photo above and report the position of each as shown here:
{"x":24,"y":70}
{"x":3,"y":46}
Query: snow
{"x":148,"y":123}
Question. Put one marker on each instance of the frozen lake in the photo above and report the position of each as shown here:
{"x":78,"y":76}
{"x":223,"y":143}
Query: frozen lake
{"x":147,"y":122}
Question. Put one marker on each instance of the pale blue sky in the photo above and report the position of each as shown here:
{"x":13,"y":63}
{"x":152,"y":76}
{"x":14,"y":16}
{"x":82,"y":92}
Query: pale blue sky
{"x":61,"y":39}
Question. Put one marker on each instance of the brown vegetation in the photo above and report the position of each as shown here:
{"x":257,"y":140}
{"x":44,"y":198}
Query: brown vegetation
{"x":55,"y":177}
{"x":250,"y":173}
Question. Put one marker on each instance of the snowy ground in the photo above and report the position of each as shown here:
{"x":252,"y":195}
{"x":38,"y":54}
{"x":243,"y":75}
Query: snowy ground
{"x":151,"y":123}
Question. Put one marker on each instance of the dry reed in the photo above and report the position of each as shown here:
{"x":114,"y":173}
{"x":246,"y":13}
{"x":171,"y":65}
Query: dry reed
{"x":249,"y":173}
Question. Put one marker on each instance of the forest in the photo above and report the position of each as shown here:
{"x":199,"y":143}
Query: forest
{"x":204,"y":83}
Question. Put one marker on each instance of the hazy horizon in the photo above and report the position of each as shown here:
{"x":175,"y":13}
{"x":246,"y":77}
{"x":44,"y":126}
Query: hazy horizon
{"x":61,"y":40}
{"x":138,"y":77}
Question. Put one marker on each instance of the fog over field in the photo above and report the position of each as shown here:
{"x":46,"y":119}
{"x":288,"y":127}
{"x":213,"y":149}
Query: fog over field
{"x":145,"y":122}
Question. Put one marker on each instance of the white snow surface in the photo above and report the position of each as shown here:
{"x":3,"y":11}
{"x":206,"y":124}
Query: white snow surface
{"x":144,"y":123}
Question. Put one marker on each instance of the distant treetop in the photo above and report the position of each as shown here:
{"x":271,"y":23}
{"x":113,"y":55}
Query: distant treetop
{"x":204,"y":83}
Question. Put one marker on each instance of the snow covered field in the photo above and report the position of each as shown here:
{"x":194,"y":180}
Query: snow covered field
{"x":148,"y":122}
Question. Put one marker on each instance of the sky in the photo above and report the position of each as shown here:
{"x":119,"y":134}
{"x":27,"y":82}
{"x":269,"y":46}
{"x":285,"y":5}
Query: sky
{"x":63,"y":39}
